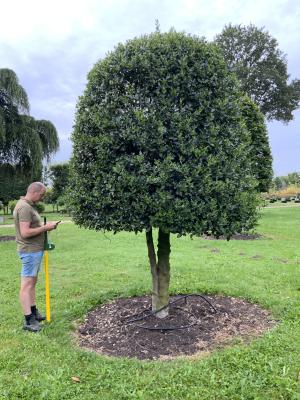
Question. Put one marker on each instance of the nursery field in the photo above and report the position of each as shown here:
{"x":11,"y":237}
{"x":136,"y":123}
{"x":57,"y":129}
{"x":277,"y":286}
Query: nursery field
{"x":89,"y":268}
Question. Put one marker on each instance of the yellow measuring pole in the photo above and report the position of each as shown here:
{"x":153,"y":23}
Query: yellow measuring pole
{"x":46,"y":257}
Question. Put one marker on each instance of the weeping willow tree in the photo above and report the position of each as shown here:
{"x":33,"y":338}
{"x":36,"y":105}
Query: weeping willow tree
{"x":24,"y":141}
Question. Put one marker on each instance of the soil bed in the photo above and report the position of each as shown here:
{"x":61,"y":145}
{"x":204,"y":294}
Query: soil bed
{"x":240,"y":236}
{"x":192,"y":328}
{"x":6,"y":238}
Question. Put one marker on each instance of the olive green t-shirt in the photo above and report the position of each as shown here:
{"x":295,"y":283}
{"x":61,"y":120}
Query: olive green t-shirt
{"x":25,"y":212}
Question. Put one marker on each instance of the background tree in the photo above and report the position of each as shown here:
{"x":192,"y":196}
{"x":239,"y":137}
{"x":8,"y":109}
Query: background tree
{"x":12,"y":94}
{"x":261,"y":67}
{"x":46,"y":175}
{"x":282,"y":182}
{"x":294,"y":178}
{"x":24,"y":141}
{"x":279,"y":183}
{"x":60,"y":180}
{"x":260,"y":152}
{"x":160,"y":141}
{"x":13,"y":99}
{"x":48,"y":196}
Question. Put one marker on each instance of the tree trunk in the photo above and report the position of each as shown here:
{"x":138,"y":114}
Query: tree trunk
{"x":160,"y":271}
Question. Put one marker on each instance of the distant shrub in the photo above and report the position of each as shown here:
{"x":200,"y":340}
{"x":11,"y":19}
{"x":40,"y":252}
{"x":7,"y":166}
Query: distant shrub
{"x":291,"y":190}
{"x":40,"y":207}
{"x":12,"y":205}
{"x":288,"y":192}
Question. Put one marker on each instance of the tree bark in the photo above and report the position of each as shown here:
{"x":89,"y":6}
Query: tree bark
{"x":151,"y":250}
{"x":160,"y":271}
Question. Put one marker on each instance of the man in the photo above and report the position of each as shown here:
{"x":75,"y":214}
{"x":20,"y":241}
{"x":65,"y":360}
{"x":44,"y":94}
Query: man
{"x":30,"y":246}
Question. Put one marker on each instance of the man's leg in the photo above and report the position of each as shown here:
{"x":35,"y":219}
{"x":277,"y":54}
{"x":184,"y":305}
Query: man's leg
{"x":38,"y":316}
{"x":30,"y":268}
{"x":32,"y":294}
{"x":27,"y":293}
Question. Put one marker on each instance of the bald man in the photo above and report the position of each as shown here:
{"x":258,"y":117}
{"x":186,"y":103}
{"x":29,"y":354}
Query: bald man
{"x":30,"y":245}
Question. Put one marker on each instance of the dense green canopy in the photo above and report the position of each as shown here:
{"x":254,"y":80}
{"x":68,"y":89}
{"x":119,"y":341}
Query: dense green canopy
{"x":260,"y":152}
{"x":160,"y":140}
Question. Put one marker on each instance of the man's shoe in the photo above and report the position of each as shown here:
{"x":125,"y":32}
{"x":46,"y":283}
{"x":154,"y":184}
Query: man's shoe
{"x":39,"y":317}
{"x":32,"y":325}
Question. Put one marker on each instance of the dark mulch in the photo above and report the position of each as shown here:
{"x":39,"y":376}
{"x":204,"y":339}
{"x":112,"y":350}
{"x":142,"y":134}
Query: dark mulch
{"x":6,"y":238}
{"x":241,"y":236}
{"x":198,"y":328}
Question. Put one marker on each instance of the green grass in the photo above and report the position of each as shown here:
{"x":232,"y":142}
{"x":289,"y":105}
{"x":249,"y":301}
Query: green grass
{"x":88,"y":268}
{"x":7,"y":219}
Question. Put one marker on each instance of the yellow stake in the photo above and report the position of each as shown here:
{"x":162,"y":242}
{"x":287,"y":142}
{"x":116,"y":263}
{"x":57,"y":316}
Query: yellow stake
{"x":46,"y":257}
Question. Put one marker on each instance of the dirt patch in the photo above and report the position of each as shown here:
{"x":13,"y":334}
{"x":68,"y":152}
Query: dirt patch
{"x":241,"y":236}
{"x":6,"y":238}
{"x":215,"y":250}
{"x":126,"y":327}
{"x":281,"y":260}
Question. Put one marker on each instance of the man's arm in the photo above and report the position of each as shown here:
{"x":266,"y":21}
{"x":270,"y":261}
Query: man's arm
{"x":27,"y":232}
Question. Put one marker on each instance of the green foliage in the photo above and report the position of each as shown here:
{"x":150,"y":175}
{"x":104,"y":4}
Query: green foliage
{"x":11,"y":92}
{"x":48,"y":137}
{"x":46,"y":175}
{"x":12,"y":205}
{"x":24,"y":141}
{"x":48,"y":196}
{"x":60,"y":180}
{"x":261,"y":67}
{"x":294,"y":178}
{"x":13,"y":182}
{"x":281,"y":182}
{"x":160,"y":141}
{"x":260,"y":152}
{"x":40,"y":207}
{"x":24,"y":144}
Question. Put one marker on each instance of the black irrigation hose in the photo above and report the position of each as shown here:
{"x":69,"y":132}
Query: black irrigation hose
{"x":150,"y":313}
{"x":169,"y":328}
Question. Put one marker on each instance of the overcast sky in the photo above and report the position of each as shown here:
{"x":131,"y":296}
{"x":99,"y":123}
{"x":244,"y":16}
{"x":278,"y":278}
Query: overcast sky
{"x":52,"y":45}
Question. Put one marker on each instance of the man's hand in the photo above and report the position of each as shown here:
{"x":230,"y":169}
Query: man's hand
{"x":27,"y":232}
{"x":50,"y":226}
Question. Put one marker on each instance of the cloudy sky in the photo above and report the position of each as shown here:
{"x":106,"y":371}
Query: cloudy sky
{"x":52,"y":45}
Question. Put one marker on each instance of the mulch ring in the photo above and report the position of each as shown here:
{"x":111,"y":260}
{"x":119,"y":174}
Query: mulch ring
{"x":240,"y":236}
{"x":7,"y":238}
{"x":193,"y":327}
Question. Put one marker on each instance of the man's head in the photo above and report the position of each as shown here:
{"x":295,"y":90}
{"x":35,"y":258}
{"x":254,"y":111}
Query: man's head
{"x":36,"y":192}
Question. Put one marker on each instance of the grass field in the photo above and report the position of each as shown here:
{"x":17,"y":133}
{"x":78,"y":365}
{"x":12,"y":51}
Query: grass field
{"x":88,"y":268}
{"x":7,"y":219}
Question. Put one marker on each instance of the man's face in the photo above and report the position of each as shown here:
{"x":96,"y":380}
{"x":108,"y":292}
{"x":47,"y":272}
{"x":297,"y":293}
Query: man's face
{"x":38,"y":196}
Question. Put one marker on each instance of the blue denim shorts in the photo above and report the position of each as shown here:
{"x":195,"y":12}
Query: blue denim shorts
{"x":31,"y":263}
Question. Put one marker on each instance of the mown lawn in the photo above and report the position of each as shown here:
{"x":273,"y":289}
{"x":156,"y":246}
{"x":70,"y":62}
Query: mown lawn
{"x":88,"y":268}
{"x":7,"y":219}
